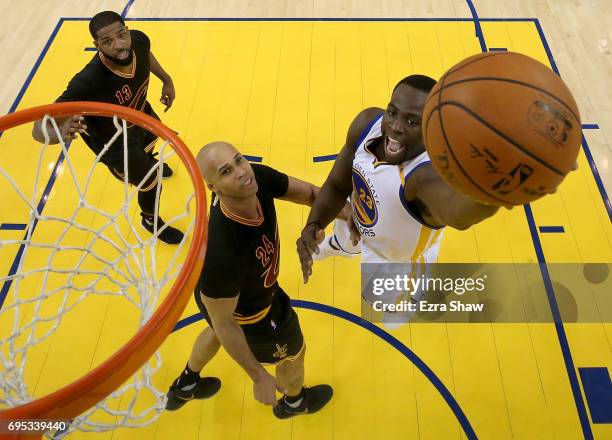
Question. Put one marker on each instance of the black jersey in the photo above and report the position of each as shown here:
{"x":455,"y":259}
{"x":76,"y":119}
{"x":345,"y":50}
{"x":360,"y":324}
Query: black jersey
{"x":243,"y":255}
{"x":99,"y":82}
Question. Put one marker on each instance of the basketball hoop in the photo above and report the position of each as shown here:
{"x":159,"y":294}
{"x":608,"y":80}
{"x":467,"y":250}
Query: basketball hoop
{"x":155,"y":323}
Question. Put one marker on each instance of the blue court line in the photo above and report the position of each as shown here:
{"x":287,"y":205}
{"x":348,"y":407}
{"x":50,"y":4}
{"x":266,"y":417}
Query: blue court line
{"x":590,"y":127}
{"x":90,"y":49}
{"x":552,"y":301}
{"x":41,"y":205}
{"x":563,"y":342}
{"x":257,"y":159}
{"x":598,"y":391}
{"x":477,"y":28}
{"x":12,"y":226}
{"x":390,"y":339}
{"x":127,"y":8}
{"x":333,"y":19}
{"x":598,"y":181}
{"x":551,"y":229}
{"x":324,"y":158}
{"x":596,"y":176}
{"x":498,"y":49}
{"x":553,"y":305}
{"x":28,"y":80}
{"x":7,"y":284}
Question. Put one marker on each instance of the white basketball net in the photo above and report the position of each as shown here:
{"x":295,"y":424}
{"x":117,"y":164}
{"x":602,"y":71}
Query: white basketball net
{"x":111,"y":255}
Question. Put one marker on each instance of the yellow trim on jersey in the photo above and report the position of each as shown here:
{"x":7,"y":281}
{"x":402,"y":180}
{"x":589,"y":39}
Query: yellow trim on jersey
{"x":421,"y":244}
{"x":150,"y":146}
{"x":242,"y":220}
{"x":116,"y":72}
{"x":242,"y":320}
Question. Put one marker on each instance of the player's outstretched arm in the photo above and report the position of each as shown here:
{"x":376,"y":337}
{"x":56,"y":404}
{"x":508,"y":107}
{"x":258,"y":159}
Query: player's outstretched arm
{"x":168,"y":93}
{"x":440,"y":204}
{"x":231,"y":336}
{"x":68,"y":127}
{"x":332,"y":196}
{"x":305,"y":193}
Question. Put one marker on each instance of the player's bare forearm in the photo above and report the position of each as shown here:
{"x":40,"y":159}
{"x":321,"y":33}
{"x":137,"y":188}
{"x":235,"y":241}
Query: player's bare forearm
{"x":232,"y":338}
{"x":158,"y":70}
{"x":331,"y":199}
{"x":329,"y":204}
{"x":305,"y":193}
{"x":464,"y":212}
{"x":442,"y":205}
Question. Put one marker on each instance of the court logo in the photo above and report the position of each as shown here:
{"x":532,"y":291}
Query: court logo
{"x":364,"y":204}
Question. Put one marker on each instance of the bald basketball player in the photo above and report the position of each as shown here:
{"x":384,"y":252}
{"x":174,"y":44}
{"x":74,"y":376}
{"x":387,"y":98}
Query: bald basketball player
{"x":400,"y":203}
{"x":119,"y":74}
{"x":238,"y":292}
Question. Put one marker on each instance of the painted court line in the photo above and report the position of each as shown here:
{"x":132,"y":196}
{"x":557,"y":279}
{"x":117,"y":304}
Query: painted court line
{"x":585,"y":147}
{"x":391,"y":340}
{"x":552,"y":301}
{"x":12,"y":226}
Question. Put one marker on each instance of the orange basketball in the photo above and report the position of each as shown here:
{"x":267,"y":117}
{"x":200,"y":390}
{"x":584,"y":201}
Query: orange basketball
{"x":502,"y":128}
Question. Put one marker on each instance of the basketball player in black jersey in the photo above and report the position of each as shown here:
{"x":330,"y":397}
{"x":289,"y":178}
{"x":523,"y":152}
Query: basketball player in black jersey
{"x":238,"y":293}
{"x":119,"y":74}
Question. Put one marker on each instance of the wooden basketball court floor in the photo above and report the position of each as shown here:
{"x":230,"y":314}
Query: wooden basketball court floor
{"x":285,"y":91}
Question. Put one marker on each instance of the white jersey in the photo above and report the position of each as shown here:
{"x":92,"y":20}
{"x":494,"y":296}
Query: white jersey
{"x":390,"y":230}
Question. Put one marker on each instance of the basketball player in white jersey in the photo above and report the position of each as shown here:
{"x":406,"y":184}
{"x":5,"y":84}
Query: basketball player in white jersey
{"x":400,"y":204}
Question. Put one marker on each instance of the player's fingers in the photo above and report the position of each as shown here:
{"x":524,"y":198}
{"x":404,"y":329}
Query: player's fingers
{"x":306,"y":269}
{"x":306,"y":264}
{"x":303,"y":248}
{"x":312,"y":245}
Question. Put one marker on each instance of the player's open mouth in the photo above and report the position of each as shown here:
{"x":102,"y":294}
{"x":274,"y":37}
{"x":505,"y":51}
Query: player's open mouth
{"x":123,"y":54}
{"x":392,"y":146}
{"x":248,"y":182}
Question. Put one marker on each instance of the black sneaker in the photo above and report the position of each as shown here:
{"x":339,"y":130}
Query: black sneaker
{"x":315,"y":398}
{"x":205,"y":388}
{"x":166,"y":171}
{"x":169,"y":235}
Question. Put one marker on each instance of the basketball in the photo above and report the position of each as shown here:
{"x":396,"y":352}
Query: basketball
{"x":502,"y":128}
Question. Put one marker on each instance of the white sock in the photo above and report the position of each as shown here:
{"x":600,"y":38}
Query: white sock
{"x":294,"y":404}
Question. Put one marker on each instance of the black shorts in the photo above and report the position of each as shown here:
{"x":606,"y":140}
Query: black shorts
{"x":275,"y":338}
{"x":141,"y":143}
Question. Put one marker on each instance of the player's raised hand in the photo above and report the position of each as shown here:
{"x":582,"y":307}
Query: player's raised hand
{"x":264,"y":389}
{"x":354,"y":232}
{"x":168,"y":94}
{"x":71,"y":126}
{"x":307,"y":244}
